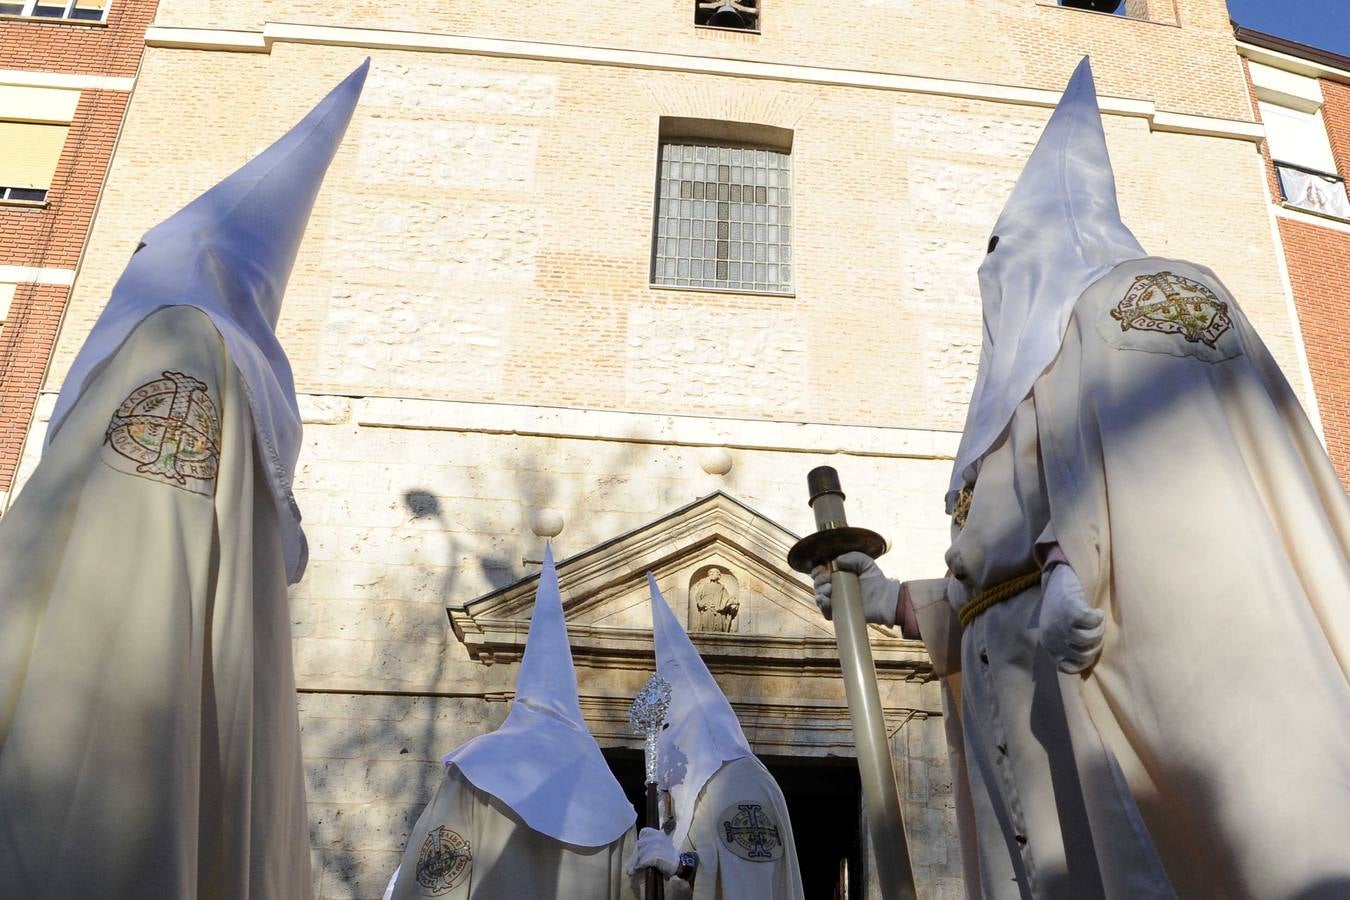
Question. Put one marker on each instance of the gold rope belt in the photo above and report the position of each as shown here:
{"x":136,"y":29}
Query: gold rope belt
{"x":995,"y":595}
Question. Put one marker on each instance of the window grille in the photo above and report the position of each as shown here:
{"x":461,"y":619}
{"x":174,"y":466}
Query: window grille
{"x":723,"y":218}
{"x":736,"y":15}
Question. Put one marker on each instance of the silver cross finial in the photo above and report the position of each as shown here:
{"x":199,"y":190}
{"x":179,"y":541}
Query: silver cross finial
{"x":647,"y":716}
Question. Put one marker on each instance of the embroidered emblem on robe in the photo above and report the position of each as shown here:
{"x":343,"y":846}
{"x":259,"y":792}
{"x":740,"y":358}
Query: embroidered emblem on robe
{"x":167,"y":430}
{"x":444,"y":860}
{"x":750,"y":832}
{"x":962,"y":508}
{"x":1170,"y":304}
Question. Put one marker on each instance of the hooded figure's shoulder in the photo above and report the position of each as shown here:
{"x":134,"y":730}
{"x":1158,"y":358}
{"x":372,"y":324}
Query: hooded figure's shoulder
{"x":169,"y":328}
{"x":742,"y":790}
{"x":1165,"y":306}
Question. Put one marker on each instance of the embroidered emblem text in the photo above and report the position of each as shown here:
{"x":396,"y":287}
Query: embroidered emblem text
{"x":444,"y":860}
{"x":1170,"y":304}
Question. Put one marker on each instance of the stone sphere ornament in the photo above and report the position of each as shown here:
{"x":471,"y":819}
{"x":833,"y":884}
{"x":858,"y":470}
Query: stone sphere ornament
{"x":547,"y":523}
{"x":715,"y":461}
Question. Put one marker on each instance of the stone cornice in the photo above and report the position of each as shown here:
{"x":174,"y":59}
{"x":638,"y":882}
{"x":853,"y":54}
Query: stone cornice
{"x":372,"y":38}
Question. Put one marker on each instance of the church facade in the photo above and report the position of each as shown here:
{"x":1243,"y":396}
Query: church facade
{"x":618,"y":277}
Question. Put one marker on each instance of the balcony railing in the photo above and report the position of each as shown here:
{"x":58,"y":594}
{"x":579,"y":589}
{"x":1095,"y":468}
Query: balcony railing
{"x":1314,"y":191}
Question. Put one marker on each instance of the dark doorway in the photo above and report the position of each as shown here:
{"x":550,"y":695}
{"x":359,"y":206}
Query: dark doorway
{"x":823,"y":798}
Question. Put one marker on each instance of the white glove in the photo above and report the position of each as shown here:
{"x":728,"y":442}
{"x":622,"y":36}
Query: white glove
{"x":655,"y":849}
{"x":880,"y":595}
{"x":1071,"y":631}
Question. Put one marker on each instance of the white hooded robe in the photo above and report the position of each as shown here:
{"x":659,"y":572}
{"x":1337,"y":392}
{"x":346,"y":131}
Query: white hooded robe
{"x":1039,"y":829}
{"x":1191,"y":496}
{"x":149,"y":736}
{"x":727,"y":807}
{"x":1160,"y":447}
{"x":531,"y":809}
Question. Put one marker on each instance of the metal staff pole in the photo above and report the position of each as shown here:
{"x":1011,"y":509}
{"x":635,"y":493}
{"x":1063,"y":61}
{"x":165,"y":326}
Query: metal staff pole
{"x":647,"y":716}
{"x":833,"y":537}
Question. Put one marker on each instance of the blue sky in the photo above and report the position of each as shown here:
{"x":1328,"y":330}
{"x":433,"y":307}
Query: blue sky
{"x":1319,"y":23}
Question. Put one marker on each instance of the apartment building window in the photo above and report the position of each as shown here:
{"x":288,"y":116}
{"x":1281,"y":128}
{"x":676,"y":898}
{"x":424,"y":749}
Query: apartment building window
{"x":733,"y":15}
{"x":1302,"y":155}
{"x":6,"y":300}
{"x":28,"y":156}
{"x":723,"y":217}
{"x":69,"y":10}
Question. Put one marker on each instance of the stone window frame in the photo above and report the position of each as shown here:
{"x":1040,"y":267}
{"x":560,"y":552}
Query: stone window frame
{"x":28,"y":9}
{"x":1157,"y":12}
{"x":759,"y":17}
{"x":720,"y":134}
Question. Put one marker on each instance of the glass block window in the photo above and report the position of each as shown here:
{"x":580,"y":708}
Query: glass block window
{"x":724,"y":218}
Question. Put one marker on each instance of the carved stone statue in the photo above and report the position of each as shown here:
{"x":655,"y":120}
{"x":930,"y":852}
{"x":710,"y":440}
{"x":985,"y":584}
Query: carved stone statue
{"x":715,"y":603}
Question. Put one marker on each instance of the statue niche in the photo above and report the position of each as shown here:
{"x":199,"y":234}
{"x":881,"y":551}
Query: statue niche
{"x":714,"y":601}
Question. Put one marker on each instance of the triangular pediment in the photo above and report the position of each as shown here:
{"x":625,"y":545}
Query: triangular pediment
{"x":723,"y":568}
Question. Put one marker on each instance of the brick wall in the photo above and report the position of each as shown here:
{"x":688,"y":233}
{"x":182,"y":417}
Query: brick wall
{"x":1319,"y":264}
{"x":1336,"y":114}
{"x":111,"y":48}
{"x":53,"y":237}
{"x":25,"y":344}
{"x":1319,"y":259}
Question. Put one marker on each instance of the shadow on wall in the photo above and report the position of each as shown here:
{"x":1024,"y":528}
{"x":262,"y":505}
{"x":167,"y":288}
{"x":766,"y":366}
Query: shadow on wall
{"x":345,"y":834}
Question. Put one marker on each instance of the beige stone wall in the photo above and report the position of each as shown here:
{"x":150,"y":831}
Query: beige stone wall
{"x":1188,"y":66}
{"x":403,"y":522}
{"x":494,"y":217}
{"x":370,"y":614}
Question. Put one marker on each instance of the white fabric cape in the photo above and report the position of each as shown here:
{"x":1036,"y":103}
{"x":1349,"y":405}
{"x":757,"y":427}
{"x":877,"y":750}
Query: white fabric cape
{"x":543,"y":762}
{"x":1059,"y":232}
{"x":725,"y":869}
{"x":1193,"y":499}
{"x":229,"y":253}
{"x":703,"y":732}
{"x":467,"y":846}
{"x":149,"y":740}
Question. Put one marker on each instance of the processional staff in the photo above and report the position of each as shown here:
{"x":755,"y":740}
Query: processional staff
{"x":834,"y":537}
{"x":647,"y":716}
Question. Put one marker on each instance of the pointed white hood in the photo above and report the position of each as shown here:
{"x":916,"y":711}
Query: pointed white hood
{"x":229,"y":253}
{"x":543,"y":762}
{"x":703,"y":733}
{"x":1059,"y":232}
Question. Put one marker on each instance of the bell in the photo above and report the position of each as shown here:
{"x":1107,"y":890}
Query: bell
{"x":727,"y":16}
{"x":1104,"y":6}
